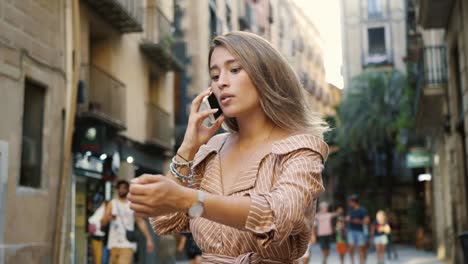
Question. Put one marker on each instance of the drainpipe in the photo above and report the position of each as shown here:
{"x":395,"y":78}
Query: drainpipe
{"x":73,"y":57}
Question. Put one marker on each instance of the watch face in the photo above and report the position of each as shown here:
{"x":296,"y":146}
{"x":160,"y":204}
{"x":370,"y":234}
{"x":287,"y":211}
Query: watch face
{"x":196,"y":210}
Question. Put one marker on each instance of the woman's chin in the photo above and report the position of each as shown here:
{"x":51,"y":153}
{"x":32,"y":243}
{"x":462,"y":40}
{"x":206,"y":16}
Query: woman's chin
{"x":229,"y":115}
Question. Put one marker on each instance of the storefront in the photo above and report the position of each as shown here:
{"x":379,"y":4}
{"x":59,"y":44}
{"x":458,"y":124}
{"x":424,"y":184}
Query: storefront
{"x":102,"y":156}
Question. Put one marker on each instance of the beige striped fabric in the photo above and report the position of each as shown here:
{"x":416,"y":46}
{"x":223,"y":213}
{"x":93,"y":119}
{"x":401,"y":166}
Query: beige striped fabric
{"x":283,"y":181}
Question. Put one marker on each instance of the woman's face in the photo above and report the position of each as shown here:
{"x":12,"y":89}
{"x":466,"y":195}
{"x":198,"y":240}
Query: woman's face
{"x":380,"y":218}
{"x":232,"y":85}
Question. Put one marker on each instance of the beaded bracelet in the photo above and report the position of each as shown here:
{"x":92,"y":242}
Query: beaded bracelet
{"x":179,"y":175}
{"x":182,"y":164}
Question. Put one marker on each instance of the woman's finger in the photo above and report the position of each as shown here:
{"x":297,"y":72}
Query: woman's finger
{"x":217,"y":124}
{"x":146,"y":178}
{"x":198,"y":100}
{"x":139,"y":199}
{"x":205,"y":114}
{"x":140,"y":189}
{"x":141,"y":208}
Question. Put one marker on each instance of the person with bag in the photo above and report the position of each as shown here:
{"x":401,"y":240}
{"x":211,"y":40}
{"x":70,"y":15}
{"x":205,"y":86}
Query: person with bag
{"x":122,"y":237}
{"x":96,"y":233}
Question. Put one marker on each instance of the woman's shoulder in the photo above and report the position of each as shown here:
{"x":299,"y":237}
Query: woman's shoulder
{"x":300,"y":142}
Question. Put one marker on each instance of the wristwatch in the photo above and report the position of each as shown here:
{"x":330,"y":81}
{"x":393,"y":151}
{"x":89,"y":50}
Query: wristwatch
{"x":196,"y":210}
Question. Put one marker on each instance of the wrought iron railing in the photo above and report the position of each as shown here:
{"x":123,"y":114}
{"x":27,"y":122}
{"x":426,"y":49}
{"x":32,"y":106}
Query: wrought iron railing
{"x":433,"y":66}
{"x":431,"y":71}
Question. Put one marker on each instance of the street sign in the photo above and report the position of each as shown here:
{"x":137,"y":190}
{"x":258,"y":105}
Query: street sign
{"x":418,"y":159}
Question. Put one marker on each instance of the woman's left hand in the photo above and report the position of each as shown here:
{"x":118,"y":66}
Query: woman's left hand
{"x":156,"y":195}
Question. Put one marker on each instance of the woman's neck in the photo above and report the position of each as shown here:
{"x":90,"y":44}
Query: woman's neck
{"x":254,"y":128}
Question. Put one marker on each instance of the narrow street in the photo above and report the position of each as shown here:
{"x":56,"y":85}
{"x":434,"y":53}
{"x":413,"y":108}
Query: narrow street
{"x":406,"y":255}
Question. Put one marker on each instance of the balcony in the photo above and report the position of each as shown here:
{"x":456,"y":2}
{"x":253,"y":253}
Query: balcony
{"x":104,"y":97}
{"x":430,"y":88}
{"x":123,"y":15}
{"x":434,"y":13}
{"x":160,"y":128}
{"x":158,"y":43}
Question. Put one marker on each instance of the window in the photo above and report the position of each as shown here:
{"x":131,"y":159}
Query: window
{"x":376,"y":38}
{"x":228,"y":16}
{"x":213,"y":22}
{"x":31,"y":147}
{"x":374,"y":9}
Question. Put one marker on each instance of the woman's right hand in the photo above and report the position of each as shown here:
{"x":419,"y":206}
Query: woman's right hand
{"x":197,"y":133}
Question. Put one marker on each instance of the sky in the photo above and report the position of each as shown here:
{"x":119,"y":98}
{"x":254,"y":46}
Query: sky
{"x":326,"y":16}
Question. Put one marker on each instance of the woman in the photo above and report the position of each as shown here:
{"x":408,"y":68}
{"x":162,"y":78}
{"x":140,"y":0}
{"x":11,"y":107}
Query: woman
{"x":324,"y":228}
{"x":380,"y":230}
{"x":248,"y":195}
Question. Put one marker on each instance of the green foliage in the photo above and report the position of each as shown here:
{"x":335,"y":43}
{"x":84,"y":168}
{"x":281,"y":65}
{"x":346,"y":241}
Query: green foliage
{"x":370,"y":111}
{"x":371,"y":123}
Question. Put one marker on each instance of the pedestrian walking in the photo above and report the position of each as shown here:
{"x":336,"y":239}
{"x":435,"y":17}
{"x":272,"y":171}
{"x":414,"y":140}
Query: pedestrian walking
{"x":324,"y":229}
{"x":188,"y":245}
{"x":246,"y":195}
{"x":341,"y":245}
{"x":97,"y":235}
{"x":390,"y":248}
{"x":122,"y":223}
{"x":379,"y":231}
{"x":357,"y":218}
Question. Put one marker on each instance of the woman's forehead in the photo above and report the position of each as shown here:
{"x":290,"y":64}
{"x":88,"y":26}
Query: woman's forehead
{"x":221,"y":56}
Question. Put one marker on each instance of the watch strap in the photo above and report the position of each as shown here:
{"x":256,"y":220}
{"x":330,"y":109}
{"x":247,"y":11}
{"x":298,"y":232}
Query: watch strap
{"x":201,"y":197}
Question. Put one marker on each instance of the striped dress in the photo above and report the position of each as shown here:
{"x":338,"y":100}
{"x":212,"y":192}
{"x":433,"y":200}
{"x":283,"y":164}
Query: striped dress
{"x":283,"y":181}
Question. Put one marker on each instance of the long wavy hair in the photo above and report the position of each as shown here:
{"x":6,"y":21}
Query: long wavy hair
{"x":282,"y":97}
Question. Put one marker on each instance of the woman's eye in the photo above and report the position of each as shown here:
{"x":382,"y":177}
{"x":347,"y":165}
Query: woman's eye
{"x":236,"y":70}
{"x":215,"y":77}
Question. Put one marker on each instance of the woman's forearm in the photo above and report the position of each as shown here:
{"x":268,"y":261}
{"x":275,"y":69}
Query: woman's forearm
{"x":227,"y":210}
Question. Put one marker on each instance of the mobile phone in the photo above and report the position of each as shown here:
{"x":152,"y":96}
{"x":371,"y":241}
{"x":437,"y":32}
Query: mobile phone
{"x":213,"y":102}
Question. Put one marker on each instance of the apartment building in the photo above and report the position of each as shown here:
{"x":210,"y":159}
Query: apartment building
{"x":439,"y":44}
{"x":33,"y":86}
{"x":373,"y":36}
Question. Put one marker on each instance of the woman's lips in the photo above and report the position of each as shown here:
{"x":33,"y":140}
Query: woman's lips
{"x":226,"y":99}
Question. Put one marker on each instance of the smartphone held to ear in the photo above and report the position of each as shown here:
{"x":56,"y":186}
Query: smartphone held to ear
{"x":212,"y":103}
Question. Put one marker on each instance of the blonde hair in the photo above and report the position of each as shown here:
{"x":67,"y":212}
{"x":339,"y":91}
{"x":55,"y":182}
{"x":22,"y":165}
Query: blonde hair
{"x":381,"y":217}
{"x":282,"y":97}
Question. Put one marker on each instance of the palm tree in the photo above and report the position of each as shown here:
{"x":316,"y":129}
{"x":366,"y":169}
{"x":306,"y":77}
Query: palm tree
{"x":367,"y":130}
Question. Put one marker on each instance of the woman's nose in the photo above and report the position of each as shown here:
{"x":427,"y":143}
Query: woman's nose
{"x":223,"y":80}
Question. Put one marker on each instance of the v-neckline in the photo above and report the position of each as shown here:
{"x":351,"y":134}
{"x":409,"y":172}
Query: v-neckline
{"x":246,"y":164}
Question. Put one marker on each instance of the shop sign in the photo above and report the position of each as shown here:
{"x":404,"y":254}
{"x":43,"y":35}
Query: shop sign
{"x":418,"y":159}
{"x":92,"y":138}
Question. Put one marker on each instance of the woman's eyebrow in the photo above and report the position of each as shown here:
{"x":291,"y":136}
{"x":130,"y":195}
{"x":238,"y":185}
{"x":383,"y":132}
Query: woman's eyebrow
{"x":214,"y":67}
